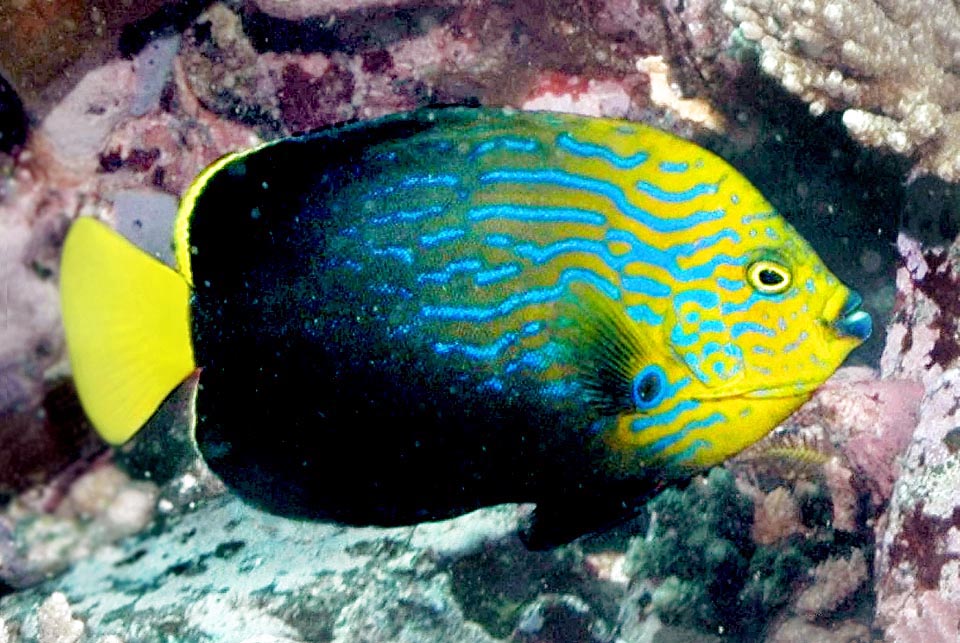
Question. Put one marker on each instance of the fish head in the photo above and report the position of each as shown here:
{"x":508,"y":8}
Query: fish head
{"x":773,"y":321}
{"x":742,"y":349}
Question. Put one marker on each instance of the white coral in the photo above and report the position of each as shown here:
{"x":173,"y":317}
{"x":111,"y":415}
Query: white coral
{"x":889,"y":65}
{"x":56,"y":621}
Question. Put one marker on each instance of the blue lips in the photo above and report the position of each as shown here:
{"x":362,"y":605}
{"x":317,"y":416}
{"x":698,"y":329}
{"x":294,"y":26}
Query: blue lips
{"x":853,"y":321}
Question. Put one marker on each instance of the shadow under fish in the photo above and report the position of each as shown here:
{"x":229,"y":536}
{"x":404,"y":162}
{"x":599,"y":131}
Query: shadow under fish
{"x":405,"y":319}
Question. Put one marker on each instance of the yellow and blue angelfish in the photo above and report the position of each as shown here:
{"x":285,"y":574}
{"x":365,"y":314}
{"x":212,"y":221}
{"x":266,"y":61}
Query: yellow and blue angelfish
{"x":408,"y":318}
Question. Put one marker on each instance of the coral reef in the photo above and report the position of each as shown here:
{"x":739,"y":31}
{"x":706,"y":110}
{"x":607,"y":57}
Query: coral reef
{"x":698,"y":569}
{"x":889,"y":65}
{"x":139,"y":545}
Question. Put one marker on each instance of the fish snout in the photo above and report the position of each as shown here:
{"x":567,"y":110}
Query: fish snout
{"x":843,"y":313}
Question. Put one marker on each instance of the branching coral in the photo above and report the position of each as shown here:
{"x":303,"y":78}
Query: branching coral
{"x":891,"y":66}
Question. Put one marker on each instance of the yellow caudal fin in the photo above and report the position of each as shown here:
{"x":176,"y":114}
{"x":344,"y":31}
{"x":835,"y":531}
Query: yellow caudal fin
{"x":127,"y":322}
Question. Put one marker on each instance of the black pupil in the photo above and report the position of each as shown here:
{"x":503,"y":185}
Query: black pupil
{"x":649,"y":387}
{"x":770,"y":277}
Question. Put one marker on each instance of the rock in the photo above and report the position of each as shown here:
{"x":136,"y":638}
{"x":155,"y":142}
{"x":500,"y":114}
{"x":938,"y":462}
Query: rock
{"x":228,"y":572}
{"x":78,"y":126}
{"x":918,"y":555}
{"x":799,"y":630}
{"x":302,"y":9}
{"x":556,"y":618}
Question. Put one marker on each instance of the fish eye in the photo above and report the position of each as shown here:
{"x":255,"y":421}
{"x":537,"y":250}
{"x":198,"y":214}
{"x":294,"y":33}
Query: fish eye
{"x":768,"y":277}
{"x":649,"y":387}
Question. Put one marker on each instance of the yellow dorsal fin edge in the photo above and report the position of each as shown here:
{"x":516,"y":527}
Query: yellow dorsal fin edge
{"x":188,"y":203}
{"x":127,"y":323}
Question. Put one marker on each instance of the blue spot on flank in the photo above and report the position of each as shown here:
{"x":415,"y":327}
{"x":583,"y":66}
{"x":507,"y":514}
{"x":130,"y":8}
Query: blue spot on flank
{"x":536,"y":359}
{"x":687,"y":249}
{"x":688,"y":453}
{"x":532,"y":328}
{"x":517,"y":301}
{"x":644,"y":314}
{"x":732,"y":285}
{"x":665,"y":418}
{"x":408,"y":215}
{"x":498,"y":240}
{"x":599,"y":187}
{"x":416,"y":181}
{"x":705,"y":299}
{"x":734,"y":199}
{"x":403,"y":254}
{"x":509,"y":143}
{"x":561,"y":389}
{"x":763,"y":350}
{"x":810,"y":286}
{"x":741,"y":328}
{"x":430,"y":180}
{"x":692,"y":317}
{"x":568,"y":143}
{"x":493,"y":275}
{"x":683,"y":196}
{"x":794,"y":345}
{"x":681,"y":339}
{"x":445,"y":235}
{"x":453,"y":268}
{"x":477,"y":351}
{"x":668,"y":441}
{"x":536,"y":214}
{"x":730,"y":307}
{"x":640,"y":252}
{"x":712,"y":326}
{"x":673,"y":167}
{"x":710,"y":348}
{"x":757,"y":216}
{"x":645,"y":286}
{"x":707,"y":269}
{"x":771,"y":233}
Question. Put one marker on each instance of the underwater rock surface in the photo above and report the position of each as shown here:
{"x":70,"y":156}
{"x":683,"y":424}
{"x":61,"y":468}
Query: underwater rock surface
{"x":231,"y":573}
{"x":918,"y":556}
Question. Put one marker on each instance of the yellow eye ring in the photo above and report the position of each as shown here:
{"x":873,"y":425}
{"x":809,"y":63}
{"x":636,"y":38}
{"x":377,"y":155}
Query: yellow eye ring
{"x":768,"y":278}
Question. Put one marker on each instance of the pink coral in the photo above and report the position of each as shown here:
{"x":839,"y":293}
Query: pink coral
{"x":834,"y":581}
{"x":776,"y":516}
{"x":927,"y":617}
{"x":869,"y":420}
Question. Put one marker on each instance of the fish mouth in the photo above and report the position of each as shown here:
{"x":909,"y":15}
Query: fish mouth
{"x":851,"y":320}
